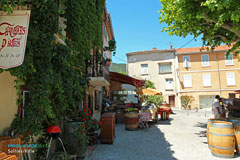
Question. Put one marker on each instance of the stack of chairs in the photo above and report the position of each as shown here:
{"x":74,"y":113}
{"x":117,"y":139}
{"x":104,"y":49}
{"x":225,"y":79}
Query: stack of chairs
{"x":144,"y":116}
{"x":4,"y":156}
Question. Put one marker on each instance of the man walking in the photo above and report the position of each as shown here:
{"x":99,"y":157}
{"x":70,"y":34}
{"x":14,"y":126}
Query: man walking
{"x":217,"y":108}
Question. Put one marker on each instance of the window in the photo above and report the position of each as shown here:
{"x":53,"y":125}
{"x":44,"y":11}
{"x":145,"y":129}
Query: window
{"x":169,"y":84}
{"x":206,"y":80}
{"x":165,"y":67}
{"x":144,"y":69}
{"x":230,"y":78}
{"x":187,"y":81}
{"x":105,"y":33}
{"x":186,"y":62}
{"x":205,"y":60}
{"x":229,"y":59}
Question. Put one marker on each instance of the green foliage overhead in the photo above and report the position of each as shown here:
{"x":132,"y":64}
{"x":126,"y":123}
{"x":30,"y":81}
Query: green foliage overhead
{"x":55,"y":73}
{"x":217,"y":20}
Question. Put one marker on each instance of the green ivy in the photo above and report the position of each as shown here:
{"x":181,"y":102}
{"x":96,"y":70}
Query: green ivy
{"x":55,"y":73}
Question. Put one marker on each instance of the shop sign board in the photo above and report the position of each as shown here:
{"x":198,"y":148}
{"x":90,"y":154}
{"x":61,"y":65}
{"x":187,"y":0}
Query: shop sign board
{"x":13,"y":37}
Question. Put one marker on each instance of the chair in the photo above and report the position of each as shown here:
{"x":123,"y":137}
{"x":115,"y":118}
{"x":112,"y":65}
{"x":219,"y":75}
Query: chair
{"x":144,"y":117}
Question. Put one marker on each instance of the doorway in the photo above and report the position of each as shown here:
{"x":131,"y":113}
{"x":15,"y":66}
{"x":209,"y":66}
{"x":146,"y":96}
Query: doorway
{"x":171,"y":101}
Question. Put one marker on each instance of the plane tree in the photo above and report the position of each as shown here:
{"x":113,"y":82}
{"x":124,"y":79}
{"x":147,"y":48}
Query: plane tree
{"x":216,"y":20}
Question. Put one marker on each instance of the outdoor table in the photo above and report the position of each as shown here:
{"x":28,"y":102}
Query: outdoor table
{"x":164,"y":112}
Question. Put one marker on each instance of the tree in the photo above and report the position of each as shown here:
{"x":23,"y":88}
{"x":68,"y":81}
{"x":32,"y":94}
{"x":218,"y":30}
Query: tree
{"x":217,"y":20}
{"x":149,"y":84}
{"x":186,"y":101}
{"x":149,"y":99}
{"x":156,"y":99}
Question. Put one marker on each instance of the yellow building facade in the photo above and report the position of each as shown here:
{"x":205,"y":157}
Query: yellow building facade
{"x":203,"y":73}
{"x":8,"y":99}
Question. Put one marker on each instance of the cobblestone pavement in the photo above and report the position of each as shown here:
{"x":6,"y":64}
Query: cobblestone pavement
{"x":183,"y":137}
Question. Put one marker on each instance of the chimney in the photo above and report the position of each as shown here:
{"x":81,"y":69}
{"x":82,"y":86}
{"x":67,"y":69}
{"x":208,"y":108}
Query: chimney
{"x":154,"y":48}
{"x":170,"y":46}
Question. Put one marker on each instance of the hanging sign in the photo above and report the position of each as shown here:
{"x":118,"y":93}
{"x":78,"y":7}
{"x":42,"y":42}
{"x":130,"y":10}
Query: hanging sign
{"x":13,"y":38}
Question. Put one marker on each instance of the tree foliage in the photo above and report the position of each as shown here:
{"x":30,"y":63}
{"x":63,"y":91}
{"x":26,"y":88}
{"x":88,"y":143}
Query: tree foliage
{"x":186,"y":101}
{"x":217,"y":20}
{"x":155,"y":99}
{"x":149,"y":84}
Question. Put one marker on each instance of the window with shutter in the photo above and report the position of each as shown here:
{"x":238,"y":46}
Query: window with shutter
{"x":230,"y":78}
{"x":187,"y":81}
{"x":165,"y":67}
{"x":144,"y":69}
{"x":229,"y":59}
{"x":205,"y":60}
{"x":169,"y":84}
{"x":206,"y":80}
{"x":186,"y":62}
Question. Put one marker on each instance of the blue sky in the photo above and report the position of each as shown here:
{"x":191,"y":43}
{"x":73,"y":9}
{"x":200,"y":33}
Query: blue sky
{"x":136,"y":28}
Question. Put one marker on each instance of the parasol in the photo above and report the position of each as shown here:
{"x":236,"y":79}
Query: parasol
{"x":149,"y":91}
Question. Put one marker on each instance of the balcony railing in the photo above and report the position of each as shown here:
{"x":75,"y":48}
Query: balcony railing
{"x":96,"y":67}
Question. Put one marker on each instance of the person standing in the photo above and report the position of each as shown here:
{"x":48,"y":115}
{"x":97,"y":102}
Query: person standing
{"x":223,"y":115}
{"x":216,"y":107}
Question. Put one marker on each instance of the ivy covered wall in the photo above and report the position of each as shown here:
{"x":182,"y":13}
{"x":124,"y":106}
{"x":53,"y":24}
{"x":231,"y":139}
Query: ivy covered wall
{"x":54,"y":73}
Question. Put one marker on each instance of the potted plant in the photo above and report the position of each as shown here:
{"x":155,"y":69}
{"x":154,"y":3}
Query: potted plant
{"x":111,"y":46}
{"x":75,"y":138}
{"x":108,"y":61}
{"x":92,"y":129}
{"x":131,"y":119}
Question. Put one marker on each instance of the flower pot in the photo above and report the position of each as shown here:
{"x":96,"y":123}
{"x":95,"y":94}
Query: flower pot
{"x":74,"y":145}
{"x":131,"y":121}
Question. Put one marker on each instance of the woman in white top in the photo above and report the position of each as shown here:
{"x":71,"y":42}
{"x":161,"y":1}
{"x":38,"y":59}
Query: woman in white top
{"x":217,"y":108}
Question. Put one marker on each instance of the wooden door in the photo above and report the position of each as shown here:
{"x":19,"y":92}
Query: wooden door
{"x":171,"y":101}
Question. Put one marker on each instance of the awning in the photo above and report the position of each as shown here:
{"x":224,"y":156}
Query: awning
{"x":114,"y":76}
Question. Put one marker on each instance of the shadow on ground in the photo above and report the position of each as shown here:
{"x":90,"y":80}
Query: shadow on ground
{"x":201,"y":133}
{"x":201,"y":125}
{"x":132,"y":145}
{"x":165,"y":122}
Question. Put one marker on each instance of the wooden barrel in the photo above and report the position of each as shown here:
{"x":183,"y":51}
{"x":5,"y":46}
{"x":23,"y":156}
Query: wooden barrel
{"x":207,"y":132}
{"x":209,"y":124}
{"x":234,"y":121}
{"x":131,"y":121}
{"x":119,"y":116}
{"x":237,"y":136}
{"x":222,"y":139}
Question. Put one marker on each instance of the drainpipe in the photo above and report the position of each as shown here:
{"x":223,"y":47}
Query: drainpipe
{"x":219,"y":79}
{"x":178,"y":81}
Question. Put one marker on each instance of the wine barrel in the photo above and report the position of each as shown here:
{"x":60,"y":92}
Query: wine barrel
{"x":209,"y":124}
{"x":131,"y":121}
{"x":234,"y":121}
{"x":237,"y":136}
{"x":222,"y":139}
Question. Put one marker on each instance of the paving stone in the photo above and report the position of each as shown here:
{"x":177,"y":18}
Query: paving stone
{"x":183,"y":137}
